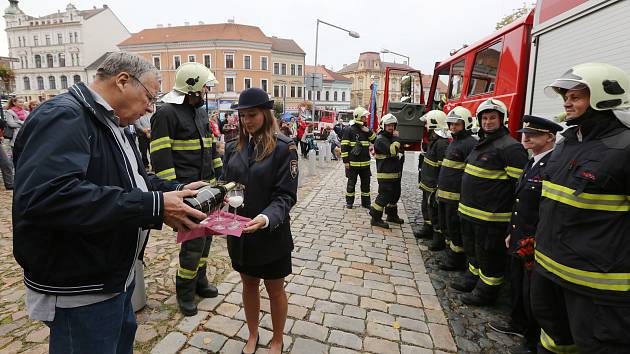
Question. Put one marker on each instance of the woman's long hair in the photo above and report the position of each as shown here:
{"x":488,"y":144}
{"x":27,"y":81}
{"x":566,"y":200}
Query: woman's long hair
{"x":264,"y":138}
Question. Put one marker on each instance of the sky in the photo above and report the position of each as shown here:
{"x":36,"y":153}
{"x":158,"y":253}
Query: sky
{"x":426,"y":31}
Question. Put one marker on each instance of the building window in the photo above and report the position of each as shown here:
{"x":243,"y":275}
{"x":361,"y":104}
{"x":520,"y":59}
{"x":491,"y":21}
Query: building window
{"x":248,"y":83}
{"x":38,"y":61}
{"x":47,"y":39}
{"x":327,"y":95}
{"x":292,"y":69}
{"x":177,"y":61}
{"x":299,"y":70}
{"x":310,"y":95}
{"x":76,"y":79}
{"x":70,"y":36}
{"x":191,"y":58}
{"x":27,"y":83}
{"x":26,"y":62}
{"x":299,"y":91}
{"x":229,"y":84}
{"x":284,"y":69}
{"x":343,"y":96}
{"x":35,"y":41}
{"x":62,"y":59}
{"x":19,"y":41}
{"x":335,"y":96}
{"x":59,"y":38}
{"x":51,"y":83}
{"x":276,"y":91}
{"x":319,"y":95}
{"x":49,"y":60}
{"x":40,"y":83}
{"x":247,"y":62}
{"x":76,"y":37}
{"x":229,"y":61}
{"x":264,"y":63}
{"x":276,"y":68}
{"x":485,"y":68}
{"x":292,"y":91}
{"x":64,"y":82}
{"x":264,"y":85}
{"x":156,"y":62}
{"x":206,"y":61}
{"x":456,"y":81}
{"x":77,"y":57}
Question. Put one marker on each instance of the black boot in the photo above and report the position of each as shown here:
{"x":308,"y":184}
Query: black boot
{"x":437,"y":244}
{"x":185,"y":290}
{"x":366,"y":202}
{"x":466,"y":283}
{"x":482,"y":295}
{"x":204,"y":288}
{"x":426,"y":232}
{"x":453,"y":261}
{"x":379,"y":223}
{"x":395,"y":219}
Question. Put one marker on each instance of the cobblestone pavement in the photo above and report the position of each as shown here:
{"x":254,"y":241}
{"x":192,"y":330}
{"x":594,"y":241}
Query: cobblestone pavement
{"x":354,"y":289}
{"x":468,"y":323}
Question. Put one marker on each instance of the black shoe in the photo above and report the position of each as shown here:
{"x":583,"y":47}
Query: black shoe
{"x":379,"y":223}
{"x":482,"y":295}
{"x":349,"y":206}
{"x":9,"y":188}
{"x":453,"y":261}
{"x":437,"y":243}
{"x":255,"y":347}
{"x":185,"y":294}
{"x":522,"y":349}
{"x":505,"y":329}
{"x":465,"y":284}
{"x":426,"y":232}
{"x":366,"y":206}
{"x":395,"y":219}
{"x":204,"y":288}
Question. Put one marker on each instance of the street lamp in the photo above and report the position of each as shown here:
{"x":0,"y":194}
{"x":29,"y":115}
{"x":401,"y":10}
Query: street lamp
{"x":352,"y":34}
{"x":402,"y":55}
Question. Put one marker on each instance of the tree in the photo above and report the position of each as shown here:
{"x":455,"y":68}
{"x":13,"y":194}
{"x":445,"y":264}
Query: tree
{"x":516,"y":13}
{"x":278,"y":108}
{"x":6,"y":74}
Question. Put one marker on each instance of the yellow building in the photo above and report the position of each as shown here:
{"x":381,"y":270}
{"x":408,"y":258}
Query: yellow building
{"x":288,"y":71}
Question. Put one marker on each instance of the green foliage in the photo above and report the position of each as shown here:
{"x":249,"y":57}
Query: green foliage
{"x":277,"y":108}
{"x":516,"y":13}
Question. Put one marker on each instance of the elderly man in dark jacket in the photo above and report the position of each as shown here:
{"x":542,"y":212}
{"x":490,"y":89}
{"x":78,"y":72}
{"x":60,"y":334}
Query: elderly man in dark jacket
{"x":83,"y":205}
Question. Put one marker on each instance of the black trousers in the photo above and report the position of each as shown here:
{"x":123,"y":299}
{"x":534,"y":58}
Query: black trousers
{"x":522,"y":317}
{"x":570,"y":320}
{"x":352,"y":174}
{"x":143,"y":146}
{"x":387,"y":198}
{"x":193,"y":255}
{"x":424,"y":207}
{"x":432,"y":207}
{"x":485,"y":244}
{"x":450,"y":225}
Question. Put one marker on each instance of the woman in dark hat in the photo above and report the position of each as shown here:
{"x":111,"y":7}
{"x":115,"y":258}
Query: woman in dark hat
{"x":265,"y":161}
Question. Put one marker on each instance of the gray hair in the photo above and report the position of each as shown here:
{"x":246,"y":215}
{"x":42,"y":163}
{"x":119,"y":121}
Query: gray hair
{"x":118,"y":62}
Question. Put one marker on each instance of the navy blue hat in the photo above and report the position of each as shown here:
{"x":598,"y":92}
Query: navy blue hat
{"x":538,"y":125}
{"x":254,"y":97}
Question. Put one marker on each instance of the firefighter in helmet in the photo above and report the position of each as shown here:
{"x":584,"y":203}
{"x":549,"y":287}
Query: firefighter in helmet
{"x":460,"y":123}
{"x":581,"y":280}
{"x":429,"y":172}
{"x":183,"y":148}
{"x":389,"y":164}
{"x":355,"y":152}
{"x":485,"y":206}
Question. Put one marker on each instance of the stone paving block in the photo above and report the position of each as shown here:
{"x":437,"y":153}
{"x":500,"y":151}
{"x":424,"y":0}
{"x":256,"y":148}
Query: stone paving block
{"x":335,"y":350}
{"x":228,"y":310}
{"x":265,"y":335}
{"x":223,"y":325}
{"x":329,"y":268}
{"x":416,"y":338}
{"x":341,"y":263}
{"x":402,"y":281}
{"x":318,"y":293}
{"x":442,"y":338}
{"x":345,"y":339}
{"x":344,"y":323}
{"x":377,"y":257}
{"x":406,"y":311}
{"x":409,"y":300}
{"x":298,"y":312}
{"x":294,"y":288}
{"x":301,"y":300}
{"x":144,"y":333}
{"x":383,"y":296}
{"x":425,"y":287}
{"x":38,"y":335}
{"x":398,"y":273}
{"x":360,"y":259}
{"x":346,"y":279}
{"x":328,"y":307}
{"x":373,"y":304}
{"x":305,"y":256}
{"x":431,"y":302}
{"x":409,"y":349}
{"x":232,"y":346}
{"x":405,"y":290}
{"x":300,"y":279}
{"x":308,"y":346}
{"x":352,"y":289}
{"x":381,"y":346}
{"x":382,"y":263}
{"x":208,"y":341}
{"x":312,"y":273}
{"x":381,"y":317}
{"x":354,"y":311}
{"x":357,"y":273}
{"x":170,"y":344}
{"x":344,"y":298}
{"x":325,"y":260}
{"x":225,"y":288}
{"x":311,"y":330}
{"x":234,"y":298}
{"x":265,"y":322}
{"x":190,"y":323}
{"x":332,"y":276}
{"x":435,"y":316}
{"x":370,"y":284}
{"x":316,"y":317}
{"x":414,"y":325}
{"x":383,"y":331}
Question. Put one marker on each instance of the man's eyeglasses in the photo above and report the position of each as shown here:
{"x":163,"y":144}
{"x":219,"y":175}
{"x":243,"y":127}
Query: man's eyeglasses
{"x":152,"y":99}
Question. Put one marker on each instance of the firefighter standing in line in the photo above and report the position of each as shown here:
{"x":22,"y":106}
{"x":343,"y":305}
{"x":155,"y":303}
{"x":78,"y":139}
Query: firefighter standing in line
{"x":492,"y":169}
{"x":184,"y":149}
{"x":389,"y":164}
{"x":539,"y":136}
{"x":460,"y":123}
{"x":436,"y":123}
{"x":355,"y":152}
{"x":580,"y":287}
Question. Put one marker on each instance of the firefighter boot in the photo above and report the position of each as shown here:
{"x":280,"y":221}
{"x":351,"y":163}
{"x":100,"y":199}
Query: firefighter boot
{"x":437,"y":244}
{"x":483,"y":295}
{"x":466,"y":283}
{"x":185,"y":290}
{"x":377,"y":219}
{"x":426,"y":232}
{"x":453,"y":261}
{"x":392,"y":215}
{"x":204,"y":288}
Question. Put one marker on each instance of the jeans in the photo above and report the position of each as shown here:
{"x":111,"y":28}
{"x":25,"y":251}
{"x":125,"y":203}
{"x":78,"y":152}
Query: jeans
{"x":107,"y":327}
{"x":6,"y":167}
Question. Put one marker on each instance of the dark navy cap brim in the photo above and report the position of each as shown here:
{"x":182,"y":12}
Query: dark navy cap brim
{"x":268,"y":105}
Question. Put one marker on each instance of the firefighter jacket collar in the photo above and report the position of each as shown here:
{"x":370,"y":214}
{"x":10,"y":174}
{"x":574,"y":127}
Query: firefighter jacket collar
{"x":462,"y":134}
{"x":174,"y":97}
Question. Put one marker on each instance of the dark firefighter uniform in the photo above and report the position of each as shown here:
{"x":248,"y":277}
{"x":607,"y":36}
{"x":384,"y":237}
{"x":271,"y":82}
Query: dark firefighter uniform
{"x":359,"y":160}
{"x":388,"y":174}
{"x":184,"y":149}
{"x":485,"y":206}
{"x":449,"y":188}
{"x":429,"y":174}
{"x":581,"y":279}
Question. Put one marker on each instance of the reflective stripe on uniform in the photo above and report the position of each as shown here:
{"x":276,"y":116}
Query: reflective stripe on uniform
{"x":168,"y":174}
{"x":595,"y":280}
{"x":453,"y":164}
{"x":345,"y":142}
{"x":348,"y":194}
{"x":159,"y":144}
{"x":207,"y":142}
{"x":393,"y":148}
{"x":202,"y":262}
{"x":365,"y":194}
{"x":212,"y":181}
{"x":483,"y":215}
{"x":426,"y":188}
{"x":384,"y":175}
{"x":551,"y":345}
{"x":456,"y":249}
{"x":427,"y":222}
{"x":381,"y":156}
{"x":432,"y":163}
{"x":492,"y":281}
{"x":180,"y":145}
{"x":372,"y":137}
{"x":216,"y":163}
{"x":344,"y":154}
{"x":377,"y":207}
{"x":359,"y":163}
{"x":186,"y":273}
{"x":513,"y":172}
{"x":483,"y":173}
{"x":604,"y":202}
{"x":472,"y":269}
{"x":447,"y":195}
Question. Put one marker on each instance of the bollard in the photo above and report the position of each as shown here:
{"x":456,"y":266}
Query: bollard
{"x":301,"y":175}
{"x":311,"y":162}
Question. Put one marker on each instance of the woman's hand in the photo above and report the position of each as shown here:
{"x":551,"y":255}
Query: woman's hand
{"x":254,"y":225}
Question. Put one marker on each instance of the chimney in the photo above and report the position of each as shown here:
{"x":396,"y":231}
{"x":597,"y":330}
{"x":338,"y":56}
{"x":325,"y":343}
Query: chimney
{"x":159,"y":25}
{"x":186,"y":23}
{"x":105,"y":6}
{"x":231,"y":20}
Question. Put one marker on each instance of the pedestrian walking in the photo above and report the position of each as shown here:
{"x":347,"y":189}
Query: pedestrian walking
{"x":15,"y":115}
{"x":143,"y":132}
{"x":333,"y":141}
{"x":266,"y":163}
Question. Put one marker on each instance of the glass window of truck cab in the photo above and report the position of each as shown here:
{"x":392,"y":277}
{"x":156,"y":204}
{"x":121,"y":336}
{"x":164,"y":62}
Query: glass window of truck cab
{"x":485,"y":68}
{"x":456,"y":80}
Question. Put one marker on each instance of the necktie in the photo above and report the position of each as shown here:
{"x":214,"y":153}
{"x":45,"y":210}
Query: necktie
{"x":251,"y":151}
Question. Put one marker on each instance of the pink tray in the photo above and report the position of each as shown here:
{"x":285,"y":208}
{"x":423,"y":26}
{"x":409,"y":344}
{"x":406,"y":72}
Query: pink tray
{"x":210,"y":226}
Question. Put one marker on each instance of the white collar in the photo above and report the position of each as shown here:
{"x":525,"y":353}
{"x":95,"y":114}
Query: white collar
{"x":539,"y":157}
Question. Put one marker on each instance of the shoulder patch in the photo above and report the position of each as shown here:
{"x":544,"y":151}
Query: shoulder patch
{"x":294,"y":169}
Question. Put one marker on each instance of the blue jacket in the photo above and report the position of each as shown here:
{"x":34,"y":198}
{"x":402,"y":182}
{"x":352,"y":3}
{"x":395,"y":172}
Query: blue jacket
{"x":76,"y":209}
